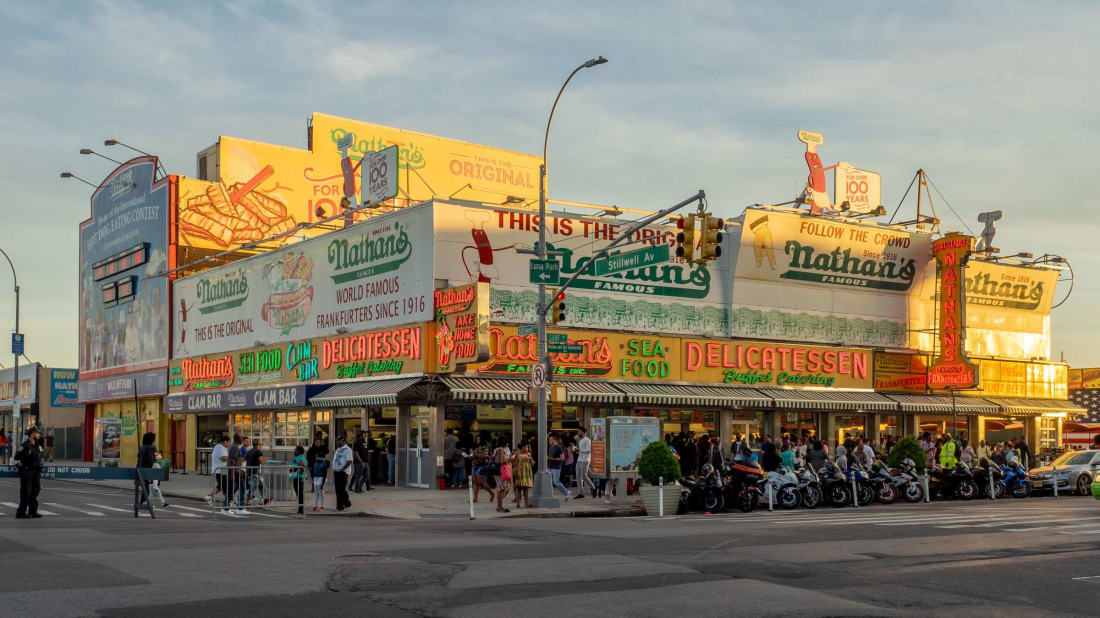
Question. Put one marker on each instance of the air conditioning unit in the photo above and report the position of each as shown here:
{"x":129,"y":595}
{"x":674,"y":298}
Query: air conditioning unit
{"x":206,"y":164}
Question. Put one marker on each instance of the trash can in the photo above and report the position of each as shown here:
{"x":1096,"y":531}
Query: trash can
{"x":1096,"y":490}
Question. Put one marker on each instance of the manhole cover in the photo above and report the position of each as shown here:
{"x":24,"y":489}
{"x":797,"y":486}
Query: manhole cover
{"x":361,"y":559}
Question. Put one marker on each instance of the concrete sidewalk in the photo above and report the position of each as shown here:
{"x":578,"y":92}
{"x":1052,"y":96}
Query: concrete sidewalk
{"x":398,"y":502}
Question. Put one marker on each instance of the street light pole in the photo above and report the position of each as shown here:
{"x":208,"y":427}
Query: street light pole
{"x":15,"y":374}
{"x":543,"y":482}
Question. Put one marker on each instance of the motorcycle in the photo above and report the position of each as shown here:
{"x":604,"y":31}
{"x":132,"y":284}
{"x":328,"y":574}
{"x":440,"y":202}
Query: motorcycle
{"x":882,"y":483}
{"x":809,"y":485}
{"x":703,"y":494}
{"x":864,"y":491}
{"x":782,"y":485}
{"x":957,"y":482}
{"x":1016,"y":480}
{"x":835,"y":486}
{"x":907,"y":480}
{"x":742,"y":485}
{"x":982,"y":473}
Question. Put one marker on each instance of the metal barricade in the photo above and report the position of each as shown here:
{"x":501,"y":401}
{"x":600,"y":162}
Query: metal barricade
{"x":274,"y":486}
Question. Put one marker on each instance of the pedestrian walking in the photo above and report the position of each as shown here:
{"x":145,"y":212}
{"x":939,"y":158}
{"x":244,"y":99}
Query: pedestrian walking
{"x":341,"y":463}
{"x":361,"y":456}
{"x":298,"y":472}
{"x":235,"y":471}
{"x":50,"y":448}
{"x":524,"y":475}
{"x":584,"y":458}
{"x":219,"y":459}
{"x":255,"y":461}
{"x":29,"y":460}
{"x":391,"y":452}
{"x":481,"y":469}
{"x":502,"y":460}
{"x":555,"y":456}
{"x":147,"y":458}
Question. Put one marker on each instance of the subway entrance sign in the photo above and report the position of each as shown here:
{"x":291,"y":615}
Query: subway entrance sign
{"x":543,"y":271}
{"x":631,"y":260}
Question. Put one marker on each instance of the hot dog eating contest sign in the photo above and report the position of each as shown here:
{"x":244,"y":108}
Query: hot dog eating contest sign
{"x":375,"y":274}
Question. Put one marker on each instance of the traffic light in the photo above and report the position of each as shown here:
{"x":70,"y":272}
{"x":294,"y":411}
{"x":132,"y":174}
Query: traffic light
{"x":712,"y":237}
{"x":557,"y":307}
{"x":685,"y":239}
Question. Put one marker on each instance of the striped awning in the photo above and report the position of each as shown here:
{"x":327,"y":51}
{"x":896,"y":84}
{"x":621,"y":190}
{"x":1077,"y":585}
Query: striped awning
{"x":1036,"y":407}
{"x":364,"y":393}
{"x":939,"y":404}
{"x":691,"y":395}
{"x":486,"y":389}
{"x":829,"y":400}
{"x":592,"y":392}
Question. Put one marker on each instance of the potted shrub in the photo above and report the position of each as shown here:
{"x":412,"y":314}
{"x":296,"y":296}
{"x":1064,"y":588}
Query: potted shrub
{"x":907,"y":447}
{"x":659,"y":464}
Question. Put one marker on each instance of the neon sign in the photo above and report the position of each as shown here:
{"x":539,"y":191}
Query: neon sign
{"x":203,"y":373}
{"x":375,"y":345}
{"x":952,"y":369}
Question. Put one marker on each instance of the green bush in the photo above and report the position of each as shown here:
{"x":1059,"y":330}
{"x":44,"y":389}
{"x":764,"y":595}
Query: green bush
{"x":658,"y":462}
{"x":907,"y":447}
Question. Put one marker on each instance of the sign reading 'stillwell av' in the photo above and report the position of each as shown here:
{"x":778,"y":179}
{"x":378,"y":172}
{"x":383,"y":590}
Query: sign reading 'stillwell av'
{"x":371,"y":275}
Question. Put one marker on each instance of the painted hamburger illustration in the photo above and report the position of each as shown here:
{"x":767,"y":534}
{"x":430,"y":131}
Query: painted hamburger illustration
{"x":291,"y":293}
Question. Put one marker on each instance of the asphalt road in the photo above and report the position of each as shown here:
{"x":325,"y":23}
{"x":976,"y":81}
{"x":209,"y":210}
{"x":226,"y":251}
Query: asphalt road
{"x":1033,"y":557}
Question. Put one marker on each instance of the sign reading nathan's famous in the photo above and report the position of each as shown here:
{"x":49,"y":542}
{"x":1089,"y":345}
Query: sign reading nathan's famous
{"x":810,"y":278}
{"x":373,"y":274}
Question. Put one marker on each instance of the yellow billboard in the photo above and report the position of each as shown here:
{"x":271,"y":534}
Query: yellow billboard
{"x":265,"y":189}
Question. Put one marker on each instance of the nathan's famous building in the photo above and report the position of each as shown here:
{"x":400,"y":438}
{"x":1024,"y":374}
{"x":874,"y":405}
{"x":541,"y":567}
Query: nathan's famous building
{"x":214,"y":304}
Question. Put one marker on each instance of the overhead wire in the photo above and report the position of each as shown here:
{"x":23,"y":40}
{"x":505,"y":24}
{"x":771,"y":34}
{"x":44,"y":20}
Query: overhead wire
{"x":969,"y":231}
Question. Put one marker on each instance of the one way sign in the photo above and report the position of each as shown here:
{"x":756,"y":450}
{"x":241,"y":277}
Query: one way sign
{"x":543,"y":271}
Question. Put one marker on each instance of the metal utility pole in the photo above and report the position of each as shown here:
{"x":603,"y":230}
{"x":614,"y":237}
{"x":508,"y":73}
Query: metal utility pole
{"x":543,"y":483}
{"x":16,"y":440}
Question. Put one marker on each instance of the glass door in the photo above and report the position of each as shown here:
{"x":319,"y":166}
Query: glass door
{"x":418,"y":454}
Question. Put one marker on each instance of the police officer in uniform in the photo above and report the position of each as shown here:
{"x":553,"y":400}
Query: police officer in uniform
{"x":30,"y":456}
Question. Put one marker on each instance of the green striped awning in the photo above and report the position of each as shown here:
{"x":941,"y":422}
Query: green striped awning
{"x":692,"y":395}
{"x":486,"y":389}
{"x":1036,"y":407}
{"x":582,"y":391}
{"x":829,"y":400}
{"x":940,"y":404}
{"x":364,"y":393}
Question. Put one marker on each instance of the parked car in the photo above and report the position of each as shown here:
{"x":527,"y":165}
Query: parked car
{"x":1076,"y":469}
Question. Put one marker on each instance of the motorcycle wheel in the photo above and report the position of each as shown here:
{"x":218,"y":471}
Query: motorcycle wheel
{"x":713,"y":502}
{"x":966,"y":490}
{"x":914,"y":493}
{"x":866,"y":494}
{"x":789,"y":497}
{"x":839,"y":495}
{"x":1022,"y":490}
{"x":812,"y":497}
{"x":684,"y":506}
{"x":888,"y":494}
{"x":999,"y":489}
{"x":747,"y":501}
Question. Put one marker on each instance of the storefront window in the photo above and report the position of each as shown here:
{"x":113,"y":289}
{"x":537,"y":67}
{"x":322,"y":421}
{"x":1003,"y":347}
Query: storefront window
{"x":749,"y":425}
{"x":253,"y":425}
{"x":292,"y":429}
{"x":1048,"y":434}
{"x":799,"y":425}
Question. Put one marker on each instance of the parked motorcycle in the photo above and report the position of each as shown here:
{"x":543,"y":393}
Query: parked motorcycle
{"x":782,"y":485}
{"x":907,"y":479}
{"x":952,"y":483}
{"x":1016,"y":480}
{"x":809,"y":485}
{"x":742,"y":485}
{"x":704,"y":494}
{"x":835,"y":485}
{"x":864,"y":490}
{"x":982,"y":473}
{"x":882,"y":483}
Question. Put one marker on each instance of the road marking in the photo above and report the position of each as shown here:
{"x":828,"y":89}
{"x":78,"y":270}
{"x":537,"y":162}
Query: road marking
{"x":73,"y":508}
{"x":1057,"y":527}
{"x":1007,"y":521}
{"x":110,"y":508}
{"x":186,"y":514}
{"x":16,"y":507}
{"x":267,"y":515}
{"x":1092,"y":579}
{"x":191,"y":508}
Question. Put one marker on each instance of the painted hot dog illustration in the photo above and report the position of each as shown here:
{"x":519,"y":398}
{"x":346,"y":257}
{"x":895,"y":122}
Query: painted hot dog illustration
{"x":291,"y":297}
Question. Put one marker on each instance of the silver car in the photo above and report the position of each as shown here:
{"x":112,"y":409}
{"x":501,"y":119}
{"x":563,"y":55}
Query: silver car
{"x":1075,"y":471}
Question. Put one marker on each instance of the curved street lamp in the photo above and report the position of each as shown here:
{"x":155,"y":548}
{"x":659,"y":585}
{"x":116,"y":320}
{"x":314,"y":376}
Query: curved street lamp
{"x":543,"y":484}
{"x":16,"y":425}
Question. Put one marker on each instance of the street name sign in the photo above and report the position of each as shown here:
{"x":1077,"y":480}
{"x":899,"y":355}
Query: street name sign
{"x":543,"y":271}
{"x":557,"y":338}
{"x":564,"y":348}
{"x":631,"y":260}
{"x":528,"y":329}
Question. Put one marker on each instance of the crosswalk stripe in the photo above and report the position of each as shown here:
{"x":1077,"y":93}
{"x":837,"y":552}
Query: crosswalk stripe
{"x":186,"y":514}
{"x":16,"y":507}
{"x":996,"y":524}
{"x":190,"y":508}
{"x":110,"y":508}
{"x":1058,"y":527}
{"x":73,"y":508}
{"x":267,"y":515}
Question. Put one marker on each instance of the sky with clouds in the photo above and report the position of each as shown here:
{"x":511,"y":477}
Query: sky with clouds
{"x":995,"y":101}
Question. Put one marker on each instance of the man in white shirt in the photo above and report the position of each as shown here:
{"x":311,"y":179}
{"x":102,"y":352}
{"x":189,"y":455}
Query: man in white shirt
{"x":219,"y":459}
{"x":341,"y":462}
{"x":584,"y":456}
